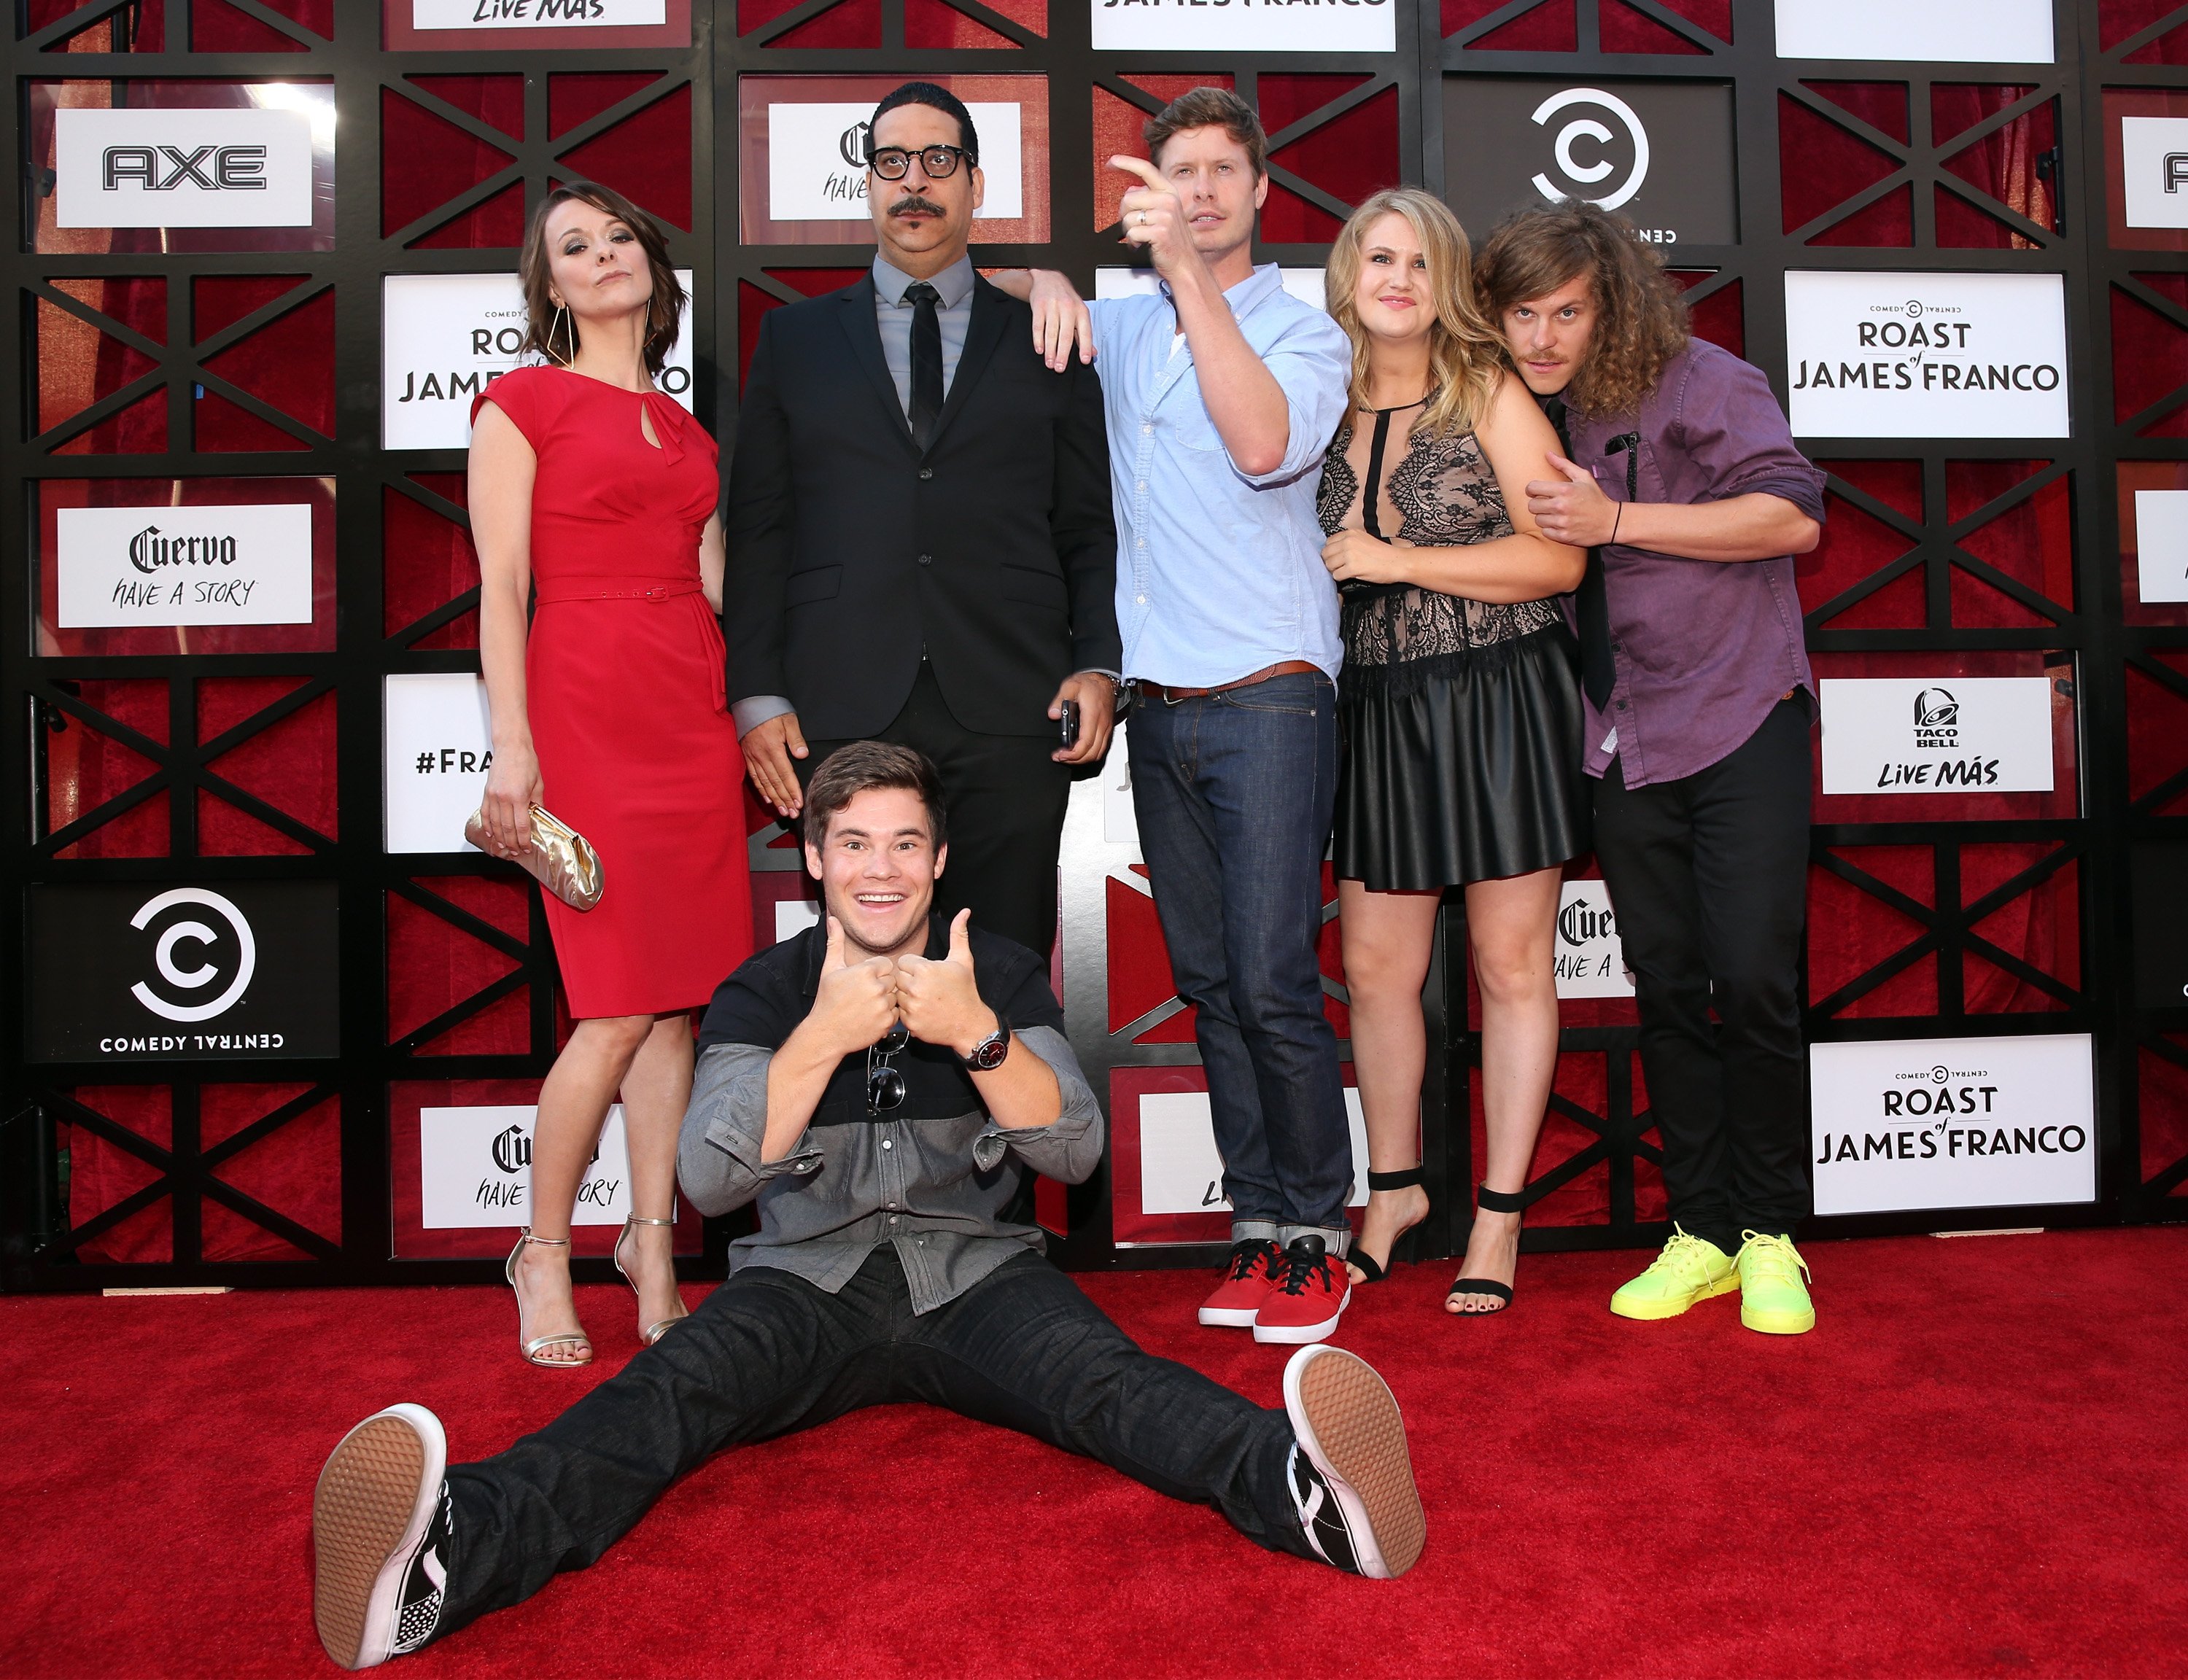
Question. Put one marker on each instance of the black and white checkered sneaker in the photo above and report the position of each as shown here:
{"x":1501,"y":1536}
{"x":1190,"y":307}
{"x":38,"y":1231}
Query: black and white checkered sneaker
{"x":1351,"y":1477}
{"x":381,"y":1524}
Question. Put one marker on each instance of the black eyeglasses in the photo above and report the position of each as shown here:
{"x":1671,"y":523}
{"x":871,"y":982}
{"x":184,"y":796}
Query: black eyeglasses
{"x":884,"y":1084}
{"x":941,"y":162}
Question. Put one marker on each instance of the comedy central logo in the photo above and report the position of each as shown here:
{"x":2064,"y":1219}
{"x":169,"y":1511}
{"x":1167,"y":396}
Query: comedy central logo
{"x":1584,"y":174}
{"x":1936,"y":720}
{"x":191,"y":956}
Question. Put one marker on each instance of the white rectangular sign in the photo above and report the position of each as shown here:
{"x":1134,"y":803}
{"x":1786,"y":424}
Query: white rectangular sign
{"x":435,"y":750}
{"x":816,"y":161}
{"x":1949,"y":734}
{"x":1926,"y":355}
{"x":1591,"y":959}
{"x":232,"y":167}
{"x":535,"y":14}
{"x":250,"y":564}
{"x":1232,"y":26}
{"x":1180,"y":1170}
{"x":1952,"y":1123}
{"x":444,"y":338}
{"x":2161,"y":545}
{"x":2154,"y":170}
{"x":1935,"y":31}
{"x":475,"y":1168}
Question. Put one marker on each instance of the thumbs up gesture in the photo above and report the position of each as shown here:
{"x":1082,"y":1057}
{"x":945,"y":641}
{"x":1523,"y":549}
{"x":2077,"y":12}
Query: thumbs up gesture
{"x":856,"y":1002}
{"x":940,"y":1001}
{"x":1571,"y":508}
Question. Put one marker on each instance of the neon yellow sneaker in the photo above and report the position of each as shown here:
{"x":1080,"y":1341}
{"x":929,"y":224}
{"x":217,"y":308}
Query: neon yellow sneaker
{"x":1690,"y":1269}
{"x":1773,"y":1299}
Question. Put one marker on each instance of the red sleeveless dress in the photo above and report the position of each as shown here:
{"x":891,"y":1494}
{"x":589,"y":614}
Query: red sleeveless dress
{"x":624,"y":686}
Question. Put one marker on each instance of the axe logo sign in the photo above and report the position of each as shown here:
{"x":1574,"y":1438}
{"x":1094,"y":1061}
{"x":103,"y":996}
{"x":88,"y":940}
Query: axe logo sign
{"x":161,"y":169}
{"x":212,"y":166}
{"x":1658,"y":153}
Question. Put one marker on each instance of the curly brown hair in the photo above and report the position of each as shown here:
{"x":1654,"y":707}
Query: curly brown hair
{"x":1641,"y":317}
{"x":552,"y":333}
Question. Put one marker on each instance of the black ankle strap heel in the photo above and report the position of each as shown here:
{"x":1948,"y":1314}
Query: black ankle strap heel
{"x":1373,"y":1270}
{"x":1493,"y":1202}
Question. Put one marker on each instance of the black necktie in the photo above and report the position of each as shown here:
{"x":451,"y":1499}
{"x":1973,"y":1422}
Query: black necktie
{"x":925,"y":362}
{"x":1597,"y":671}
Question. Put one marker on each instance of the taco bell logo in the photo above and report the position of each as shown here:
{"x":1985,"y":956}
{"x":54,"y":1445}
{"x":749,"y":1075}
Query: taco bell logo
{"x":1936,"y":720}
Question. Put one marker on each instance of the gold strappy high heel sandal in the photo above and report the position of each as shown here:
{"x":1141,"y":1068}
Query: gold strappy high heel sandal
{"x":533,"y":1347}
{"x":648,"y":1333}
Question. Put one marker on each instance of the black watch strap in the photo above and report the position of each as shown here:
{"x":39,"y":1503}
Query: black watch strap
{"x":987,"y":1055}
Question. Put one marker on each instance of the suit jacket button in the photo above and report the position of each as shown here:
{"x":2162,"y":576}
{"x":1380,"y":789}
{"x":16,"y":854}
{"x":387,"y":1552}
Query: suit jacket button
{"x":927,"y":560}
{"x":926,"y":472}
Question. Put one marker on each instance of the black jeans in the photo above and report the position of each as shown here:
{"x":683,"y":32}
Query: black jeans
{"x":1709,"y":878}
{"x":768,"y":1353}
{"x":1004,"y":798}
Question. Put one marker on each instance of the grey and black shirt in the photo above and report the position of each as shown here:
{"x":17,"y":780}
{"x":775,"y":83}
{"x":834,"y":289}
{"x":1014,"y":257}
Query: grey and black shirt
{"x":931,"y":1177}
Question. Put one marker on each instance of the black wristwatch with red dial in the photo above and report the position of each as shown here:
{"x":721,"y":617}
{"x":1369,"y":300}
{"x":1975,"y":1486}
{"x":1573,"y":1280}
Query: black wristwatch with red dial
{"x":987,"y":1055}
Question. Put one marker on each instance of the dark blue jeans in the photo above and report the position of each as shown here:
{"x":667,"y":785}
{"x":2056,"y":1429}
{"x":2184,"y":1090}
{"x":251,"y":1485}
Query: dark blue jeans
{"x":768,"y":1353}
{"x":1233,"y":793}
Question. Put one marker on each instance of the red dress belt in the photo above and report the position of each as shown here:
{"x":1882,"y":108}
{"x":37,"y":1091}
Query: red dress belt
{"x":1282,"y":669}
{"x":550,"y":593}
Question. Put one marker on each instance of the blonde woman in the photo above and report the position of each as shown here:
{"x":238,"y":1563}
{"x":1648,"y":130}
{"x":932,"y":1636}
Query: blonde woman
{"x":1459,"y":708}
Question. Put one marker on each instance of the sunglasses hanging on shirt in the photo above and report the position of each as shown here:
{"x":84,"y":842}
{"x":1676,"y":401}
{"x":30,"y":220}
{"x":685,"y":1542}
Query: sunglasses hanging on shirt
{"x":884,"y":1084}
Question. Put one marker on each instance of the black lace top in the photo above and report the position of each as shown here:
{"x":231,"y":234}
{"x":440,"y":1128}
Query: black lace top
{"x":1399,"y":634}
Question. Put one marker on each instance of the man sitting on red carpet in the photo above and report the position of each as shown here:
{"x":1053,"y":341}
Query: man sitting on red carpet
{"x":868,"y":1082}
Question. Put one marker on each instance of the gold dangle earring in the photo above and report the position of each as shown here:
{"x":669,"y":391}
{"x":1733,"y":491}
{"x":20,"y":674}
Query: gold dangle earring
{"x":562,"y":320}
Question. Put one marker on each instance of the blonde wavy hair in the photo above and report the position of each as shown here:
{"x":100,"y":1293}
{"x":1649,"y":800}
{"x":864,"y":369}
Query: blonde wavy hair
{"x":1466,"y":357}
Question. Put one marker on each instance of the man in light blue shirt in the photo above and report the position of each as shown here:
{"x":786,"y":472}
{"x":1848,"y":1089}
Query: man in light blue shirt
{"x":1222,"y":392}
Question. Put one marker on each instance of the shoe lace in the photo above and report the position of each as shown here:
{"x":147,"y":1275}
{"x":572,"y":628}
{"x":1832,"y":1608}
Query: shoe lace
{"x":1772,"y":1259}
{"x":1683,"y":1251}
{"x":1295,"y":1269}
{"x":1246,"y":1257}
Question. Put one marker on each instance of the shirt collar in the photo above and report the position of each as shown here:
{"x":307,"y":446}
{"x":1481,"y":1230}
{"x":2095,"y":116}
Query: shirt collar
{"x":1267,"y":278}
{"x":954,"y":283}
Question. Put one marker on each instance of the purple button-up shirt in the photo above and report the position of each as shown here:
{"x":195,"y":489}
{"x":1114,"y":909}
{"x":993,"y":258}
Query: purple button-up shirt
{"x":1703,"y":648}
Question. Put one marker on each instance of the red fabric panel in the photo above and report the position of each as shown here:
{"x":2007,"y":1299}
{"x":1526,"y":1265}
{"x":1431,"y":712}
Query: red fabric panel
{"x":289,"y":364}
{"x":2161,"y":1092}
{"x":1821,"y":165}
{"x":1721,"y":318}
{"x":1851,"y":931}
{"x":2157,"y":729}
{"x":1285,"y":98}
{"x":289,"y":765}
{"x":100,"y":1174}
{"x":931,"y":27}
{"x":752,"y":303}
{"x":496,"y":100}
{"x":85,"y":767}
{"x":1889,"y":221}
{"x":2130,"y":477}
{"x":579,"y":96}
{"x":79,"y":365}
{"x":1349,"y":158}
{"x":433,"y":965}
{"x":428,"y":561}
{"x":1881,"y":104}
{"x":2041,"y":926}
{"x":426,"y":159}
{"x":295,"y":1170}
{"x":146,"y":30}
{"x":495,"y":224}
{"x":2150,"y":354}
{"x":1856,"y":545}
{"x":2116,"y":20}
{"x":1581,"y":1080}
{"x":855,"y":23}
{"x":1117,"y":128}
{"x":2002,"y":164}
{"x":646,"y":157}
{"x":1623,"y":30}
{"x":2032,"y":543}
{"x":218,"y":27}
{"x":1547,"y":28}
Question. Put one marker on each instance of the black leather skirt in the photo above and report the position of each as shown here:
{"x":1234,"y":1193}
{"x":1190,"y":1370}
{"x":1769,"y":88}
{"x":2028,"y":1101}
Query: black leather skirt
{"x":1468,"y":768}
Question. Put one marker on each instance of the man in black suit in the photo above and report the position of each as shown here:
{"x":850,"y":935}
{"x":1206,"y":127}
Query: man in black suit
{"x":906,"y":462}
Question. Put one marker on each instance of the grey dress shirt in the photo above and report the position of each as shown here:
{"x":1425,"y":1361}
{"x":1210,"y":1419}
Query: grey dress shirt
{"x":930,"y":1177}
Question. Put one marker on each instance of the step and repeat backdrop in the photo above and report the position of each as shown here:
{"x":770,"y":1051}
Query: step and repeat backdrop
{"x":271,"y":1019}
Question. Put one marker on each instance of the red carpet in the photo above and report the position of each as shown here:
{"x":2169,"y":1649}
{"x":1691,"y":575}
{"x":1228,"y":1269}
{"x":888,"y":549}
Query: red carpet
{"x":1977,"y":1464}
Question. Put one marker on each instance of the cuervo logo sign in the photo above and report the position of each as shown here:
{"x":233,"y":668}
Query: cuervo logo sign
{"x":148,"y":550}
{"x":852,"y":145}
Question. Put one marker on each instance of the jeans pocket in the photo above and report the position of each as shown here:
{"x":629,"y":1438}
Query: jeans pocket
{"x":1294,"y":696}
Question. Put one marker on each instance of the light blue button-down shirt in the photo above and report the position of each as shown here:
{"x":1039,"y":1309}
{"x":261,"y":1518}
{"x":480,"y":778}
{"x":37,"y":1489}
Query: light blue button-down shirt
{"x":1219,"y":572}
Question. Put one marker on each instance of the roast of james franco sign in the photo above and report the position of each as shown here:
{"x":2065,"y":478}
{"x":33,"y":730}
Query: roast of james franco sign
{"x":816,"y":160}
{"x":1952,"y":734}
{"x":1659,"y":153}
{"x":1918,"y":1124}
{"x":228,"y":168}
{"x":444,"y":338}
{"x":1908,"y":355}
{"x":1244,"y":25}
{"x":474,"y":1169}
{"x":134,"y":971}
{"x":134,"y":566}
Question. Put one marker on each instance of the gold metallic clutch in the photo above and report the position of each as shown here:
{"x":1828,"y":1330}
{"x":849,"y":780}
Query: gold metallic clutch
{"x":564,"y":859}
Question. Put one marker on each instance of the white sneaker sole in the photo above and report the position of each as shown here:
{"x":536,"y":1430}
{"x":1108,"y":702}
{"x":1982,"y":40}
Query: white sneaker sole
{"x":1291,"y":1334}
{"x":1347,"y":1422}
{"x":1229,"y":1317}
{"x":369,"y":1512}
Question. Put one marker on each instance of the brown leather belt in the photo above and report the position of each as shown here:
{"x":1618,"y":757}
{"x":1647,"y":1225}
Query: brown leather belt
{"x":1285,"y":668}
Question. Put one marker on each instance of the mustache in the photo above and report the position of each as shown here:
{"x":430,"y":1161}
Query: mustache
{"x":912,"y":201}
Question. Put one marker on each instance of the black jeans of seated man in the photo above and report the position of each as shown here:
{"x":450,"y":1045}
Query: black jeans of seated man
{"x":768,"y":1353}
{"x":1709,"y":877}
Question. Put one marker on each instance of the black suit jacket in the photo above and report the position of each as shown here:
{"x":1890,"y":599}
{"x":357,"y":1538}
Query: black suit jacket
{"x":848,"y":549}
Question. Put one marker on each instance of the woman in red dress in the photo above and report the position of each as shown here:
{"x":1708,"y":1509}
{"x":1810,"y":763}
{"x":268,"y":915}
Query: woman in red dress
{"x":592,"y":488}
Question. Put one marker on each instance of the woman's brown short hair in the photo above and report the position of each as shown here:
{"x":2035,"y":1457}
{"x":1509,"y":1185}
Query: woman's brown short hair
{"x":1641,"y":316}
{"x":862,"y":767}
{"x":559,"y":342}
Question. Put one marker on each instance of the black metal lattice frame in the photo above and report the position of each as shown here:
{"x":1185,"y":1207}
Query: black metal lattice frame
{"x":36,"y":1242}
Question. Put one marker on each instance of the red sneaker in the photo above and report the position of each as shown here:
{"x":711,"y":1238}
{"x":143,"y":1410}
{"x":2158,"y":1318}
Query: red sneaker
{"x":1306,"y":1295}
{"x":1246,"y":1285}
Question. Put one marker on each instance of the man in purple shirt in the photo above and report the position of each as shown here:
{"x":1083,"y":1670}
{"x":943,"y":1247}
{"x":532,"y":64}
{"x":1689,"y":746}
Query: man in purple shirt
{"x":1685,"y":485}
